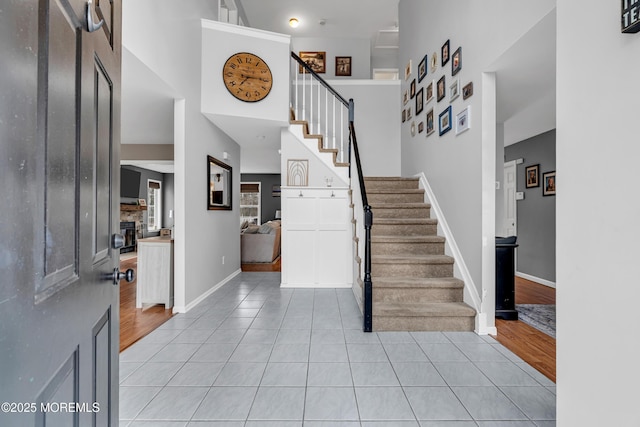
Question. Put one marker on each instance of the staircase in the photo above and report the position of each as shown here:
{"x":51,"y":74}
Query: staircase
{"x":413,"y":284}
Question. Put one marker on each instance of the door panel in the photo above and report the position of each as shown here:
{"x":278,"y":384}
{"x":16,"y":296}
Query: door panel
{"x":510,"y":206}
{"x":58,"y":102}
{"x":102,"y":164}
{"x":59,"y":165}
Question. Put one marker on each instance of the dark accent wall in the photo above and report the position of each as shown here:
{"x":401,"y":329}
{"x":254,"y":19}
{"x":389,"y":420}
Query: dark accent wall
{"x":146,"y":174}
{"x":536,"y":254}
{"x":168,"y":198}
{"x":268,"y":203}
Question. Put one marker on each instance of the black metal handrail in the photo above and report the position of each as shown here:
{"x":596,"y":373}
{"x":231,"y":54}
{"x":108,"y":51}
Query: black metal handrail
{"x":368,"y":214}
{"x":320,"y":79}
{"x":367,"y":300}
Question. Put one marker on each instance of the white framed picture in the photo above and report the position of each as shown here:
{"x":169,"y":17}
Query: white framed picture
{"x":463,"y":120}
{"x":454,"y":90}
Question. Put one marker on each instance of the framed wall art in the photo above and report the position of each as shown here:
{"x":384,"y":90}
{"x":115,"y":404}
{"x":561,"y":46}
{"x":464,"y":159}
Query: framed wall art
{"x":456,"y":61}
{"x":315,"y":60}
{"x":454,"y":90}
{"x":420,"y":127}
{"x":463,"y":120}
{"x":532,"y":176}
{"x":409,"y":115}
{"x":297,"y":172}
{"x":422,"y":68}
{"x":467,"y":90}
{"x":343,"y":66}
{"x":440,"y":89}
{"x":404,"y":116}
{"x":428,"y":96}
{"x":430,"y":122}
{"x":407,"y":70}
{"x":413,"y":88}
{"x":405,"y":97}
{"x":419,"y":101}
{"x":444,"y":122}
{"x":433,"y":62}
{"x":549,"y":183}
{"x":444,"y":53}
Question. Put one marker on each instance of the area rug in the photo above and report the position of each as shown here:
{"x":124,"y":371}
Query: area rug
{"x":540,"y":316}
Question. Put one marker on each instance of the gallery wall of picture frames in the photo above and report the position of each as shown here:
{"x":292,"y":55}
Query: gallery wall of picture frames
{"x":435,"y":78}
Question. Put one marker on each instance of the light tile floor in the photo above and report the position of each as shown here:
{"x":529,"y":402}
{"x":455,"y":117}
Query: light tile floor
{"x":253,"y":354}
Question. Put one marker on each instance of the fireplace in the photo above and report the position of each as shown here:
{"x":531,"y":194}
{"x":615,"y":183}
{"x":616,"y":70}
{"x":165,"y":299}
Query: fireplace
{"x":128,"y":230}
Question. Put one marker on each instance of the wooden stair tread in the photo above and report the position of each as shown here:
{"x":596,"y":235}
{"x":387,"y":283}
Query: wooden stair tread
{"x":417,"y":282}
{"x":407,"y":239}
{"x":411,"y":259}
{"x":436,"y":309}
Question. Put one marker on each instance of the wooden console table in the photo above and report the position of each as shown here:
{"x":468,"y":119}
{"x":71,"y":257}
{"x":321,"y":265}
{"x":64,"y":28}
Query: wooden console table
{"x":155,"y":272}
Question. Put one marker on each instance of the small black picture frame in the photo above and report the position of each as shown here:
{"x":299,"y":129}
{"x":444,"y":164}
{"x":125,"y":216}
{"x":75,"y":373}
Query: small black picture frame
{"x":441,"y":89}
{"x":444,"y":53}
{"x":419,"y":101}
{"x":549,"y":183}
{"x":532,"y":176}
{"x":412,"y":91}
{"x":467,"y":90}
{"x":422,"y":68}
{"x":456,"y":61}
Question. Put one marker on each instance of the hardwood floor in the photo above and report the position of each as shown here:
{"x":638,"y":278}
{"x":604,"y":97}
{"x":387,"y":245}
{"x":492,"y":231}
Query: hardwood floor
{"x":275,"y":266}
{"x":531,"y":345}
{"x":135,"y":323}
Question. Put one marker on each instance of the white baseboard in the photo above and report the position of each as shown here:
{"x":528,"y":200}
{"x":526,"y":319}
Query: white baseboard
{"x":536,"y":279}
{"x":206,"y":294}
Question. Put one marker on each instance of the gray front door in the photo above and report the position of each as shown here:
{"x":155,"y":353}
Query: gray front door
{"x":59,"y":197}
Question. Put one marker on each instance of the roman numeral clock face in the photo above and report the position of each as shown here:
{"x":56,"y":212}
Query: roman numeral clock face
{"x":247,"y":77}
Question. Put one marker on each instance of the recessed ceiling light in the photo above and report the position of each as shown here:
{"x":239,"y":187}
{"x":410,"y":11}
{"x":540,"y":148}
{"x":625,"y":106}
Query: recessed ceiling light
{"x":293,"y":22}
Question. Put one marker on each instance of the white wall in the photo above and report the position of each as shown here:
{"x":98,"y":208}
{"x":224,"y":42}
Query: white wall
{"x":358,"y":49}
{"x":377,"y":127}
{"x":453,"y":164}
{"x":598,"y":343}
{"x":166,"y":36}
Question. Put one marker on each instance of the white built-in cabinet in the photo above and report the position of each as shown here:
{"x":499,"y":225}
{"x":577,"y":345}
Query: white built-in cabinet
{"x":316,"y":237}
{"x":155,"y":272}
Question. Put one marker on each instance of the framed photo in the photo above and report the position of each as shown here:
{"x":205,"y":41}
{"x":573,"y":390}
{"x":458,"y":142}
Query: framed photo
{"x":463,"y":120}
{"x":467,"y":90}
{"x":404,"y":116}
{"x":532,"y":176}
{"x":315,"y":60}
{"x":454,"y":90}
{"x":407,"y":70}
{"x":142,"y":202}
{"x":413,"y":88}
{"x":409,"y":113}
{"x":444,"y":53}
{"x":549,"y":183}
{"x":440,"y":89}
{"x":430,"y":125}
{"x":422,"y":68}
{"x":343,"y":66}
{"x":445,"y":121}
{"x":429,"y":93}
{"x":276,"y":191}
{"x":456,"y":61}
{"x":419,"y":101}
{"x":405,"y":97}
{"x":420,"y":127}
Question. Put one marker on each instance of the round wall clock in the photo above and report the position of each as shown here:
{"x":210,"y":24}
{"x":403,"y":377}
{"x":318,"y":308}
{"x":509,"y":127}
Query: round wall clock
{"x":247,"y":77}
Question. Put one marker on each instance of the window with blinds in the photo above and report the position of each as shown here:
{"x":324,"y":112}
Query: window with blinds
{"x":154,"y":205}
{"x":250,"y":202}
